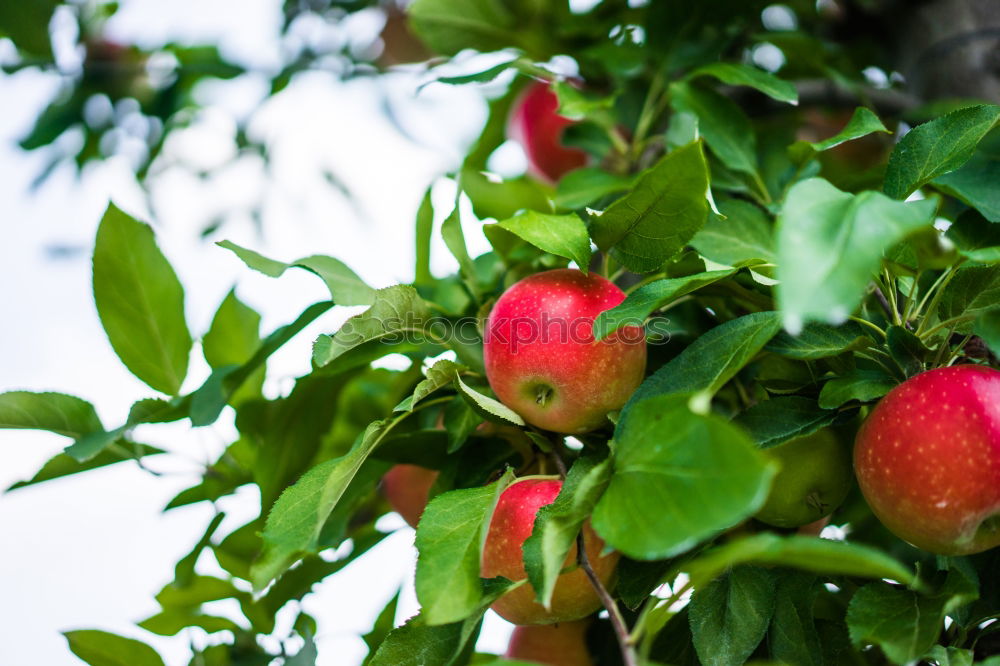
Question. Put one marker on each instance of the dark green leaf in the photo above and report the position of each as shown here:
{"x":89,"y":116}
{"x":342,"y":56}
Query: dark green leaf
{"x":562,"y":235}
{"x":557,"y":524}
{"x":678,"y":478}
{"x":780,"y":419}
{"x":424,"y":229}
{"x":987,"y":327}
{"x":346,"y":288}
{"x":56,"y":412}
{"x":818,"y":340}
{"x":976,"y":238}
{"x":742,"y":236}
{"x":27,"y":24}
{"x":140,"y":302}
{"x":724,"y":125}
{"x":808,"y":553}
{"x":661,"y":214}
{"x":711,"y":360}
{"x":730,"y":615}
{"x":582,"y":187}
{"x":451,"y":231}
{"x":649,"y":298}
{"x":860,"y":385}
{"x":738,"y":74}
{"x":936,"y":148}
{"x":449,"y":540}
{"x":830,"y":243}
{"x":906,"y":350}
{"x":952,"y":656}
{"x":381,"y":628}
{"x":975,"y":184}
{"x":972,"y":291}
{"x":100,"y":648}
{"x":792,"y":636}
{"x":905,"y":624}
{"x":63,"y":465}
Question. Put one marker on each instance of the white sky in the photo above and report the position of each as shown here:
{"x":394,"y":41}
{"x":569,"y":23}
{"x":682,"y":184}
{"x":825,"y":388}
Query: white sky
{"x":91,"y":551}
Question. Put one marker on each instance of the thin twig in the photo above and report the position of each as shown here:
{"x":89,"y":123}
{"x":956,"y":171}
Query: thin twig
{"x":629,"y":657}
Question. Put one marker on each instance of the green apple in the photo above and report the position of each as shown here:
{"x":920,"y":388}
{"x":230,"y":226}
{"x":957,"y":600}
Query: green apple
{"x":814,"y":479}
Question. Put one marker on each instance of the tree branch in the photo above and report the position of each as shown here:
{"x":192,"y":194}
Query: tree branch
{"x":617,"y":621}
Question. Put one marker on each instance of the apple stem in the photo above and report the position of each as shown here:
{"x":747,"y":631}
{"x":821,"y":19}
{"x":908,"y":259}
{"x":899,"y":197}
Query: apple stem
{"x":617,"y":621}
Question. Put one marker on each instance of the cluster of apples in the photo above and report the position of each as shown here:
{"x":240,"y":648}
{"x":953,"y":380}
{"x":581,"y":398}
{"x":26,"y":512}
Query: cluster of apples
{"x":927,"y":458}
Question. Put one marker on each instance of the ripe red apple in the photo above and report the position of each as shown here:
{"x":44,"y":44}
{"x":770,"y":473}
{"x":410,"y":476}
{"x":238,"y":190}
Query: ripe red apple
{"x":814,"y":479}
{"x":541,"y":357}
{"x":928,"y":460}
{"x":563,"y":644}
{"x":513,"y":521}
{"x":535,"y":124}
{"x":407,"y":487}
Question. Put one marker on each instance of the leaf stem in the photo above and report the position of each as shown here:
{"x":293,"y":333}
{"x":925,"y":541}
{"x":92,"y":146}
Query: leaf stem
{"x":908,"y":305}
{"x":629,"y":657}
{"x":936,"y":289}
{"x":864,"y":322}
{"x":890,"y":290}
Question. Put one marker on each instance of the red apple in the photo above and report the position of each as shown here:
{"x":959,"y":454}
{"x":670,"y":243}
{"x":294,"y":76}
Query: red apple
{"x":541,"y":357}
{"x":535,"y":124}
{"x":407,"y":488}
{"x":513,"y":521}
{"x":928,"y":460}
{"x":563,"y":644}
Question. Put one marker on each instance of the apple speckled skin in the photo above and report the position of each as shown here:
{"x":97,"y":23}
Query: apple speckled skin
{"x":535,"y":125}
{"x":513,"y":520}
{"x":407,"y":488}
{"x":541,"y":357}
{"x":928,"y":460}
{"x":563,"y":644}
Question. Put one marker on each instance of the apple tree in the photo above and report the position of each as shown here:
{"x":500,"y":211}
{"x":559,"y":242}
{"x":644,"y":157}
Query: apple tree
{"x":629,"y":427}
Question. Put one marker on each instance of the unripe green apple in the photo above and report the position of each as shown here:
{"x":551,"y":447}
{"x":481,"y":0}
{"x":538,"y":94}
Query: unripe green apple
{"x":407,"y":488}
{"x":513,"y":521}
{"x":535,"y":125}
{"x":563,"y":644}
{"x":927,"y":459}
{"x":814,"y":479}
{"x":541,"y":357}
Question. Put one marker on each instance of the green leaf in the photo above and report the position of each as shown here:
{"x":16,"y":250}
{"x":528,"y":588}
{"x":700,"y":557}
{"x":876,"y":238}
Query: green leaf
{"x":451,"y":231}
{"x":449,"y":541}
{"x":710,"y":361}
{"x":661,"y":214}
{"x":936,"y":148}
{"x":584,"y":186}
{"x":722,"y":122}
{"x":63,"y":465}
{"x":792,"y":636}
{"x":819,"y":341}
{"x":424,"y":230}
{"x":738,"y":74}
{"x":971,"y":292}
{"x":140,"y":302}
{"x":976,"y":238}
{"x":487,"y":407}
{"x":861,"y":385}
{"x":975,"y":184}
{"x":56,"y":412}
{"x":987,"y":327}
{"x":780,"y":419}
{"x":822,"y":556}
{"x":742,"y":236}
{"x":830,"y":243}
{"x":904,"y":623}
{"x":172,"y":622}
{"x":484,"y":76}
{"x":730,"y":615}
{"x":234,"y":335}
{"x":346,"y":288}
{"x":951,"y":656}
{"x":679,"y":477}
{"x":382,"y":626}
{"x":561,"y":235}
{"x":649,"y":298}
{"x":294,"y":524}
{"x":862,"y":123}
{"x":438,"y":376}
{"x":906,"y":350}
{"x":100,"y":648}
{"x":27,"y":24}
{"x":397,"y":314}
{"x":448,"y":26}
{"x":557,"y":524}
